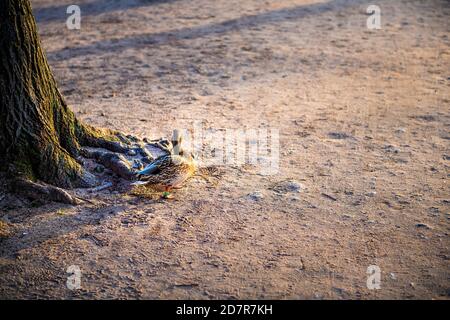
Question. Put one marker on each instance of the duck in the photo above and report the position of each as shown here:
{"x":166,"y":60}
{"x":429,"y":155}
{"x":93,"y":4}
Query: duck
{"x":168,"y":171}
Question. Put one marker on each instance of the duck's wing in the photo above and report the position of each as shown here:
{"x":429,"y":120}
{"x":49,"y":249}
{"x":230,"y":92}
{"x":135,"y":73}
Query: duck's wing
{"x":156,"y":166}
{"x":152,"y":168}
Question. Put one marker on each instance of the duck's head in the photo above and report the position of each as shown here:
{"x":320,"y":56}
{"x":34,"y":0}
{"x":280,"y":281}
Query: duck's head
{"x":188,"y":155}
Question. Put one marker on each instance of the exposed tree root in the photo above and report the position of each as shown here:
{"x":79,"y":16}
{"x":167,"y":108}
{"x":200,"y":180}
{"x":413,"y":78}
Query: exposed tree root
{"x":113,"y":150}
{"x":102,"y":142}
{"x":37,"y":191}
{"x":114,"y":156}
{"x":116,"y":162}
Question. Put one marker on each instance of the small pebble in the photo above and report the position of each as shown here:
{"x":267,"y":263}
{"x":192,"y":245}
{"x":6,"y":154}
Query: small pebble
{"x":318,"y":296}
{"x":255,"y":196}
{"x":391,"y":148}
{"x":289,"y":186}
{"x":423,"y":225}
{"x":338,"y":135}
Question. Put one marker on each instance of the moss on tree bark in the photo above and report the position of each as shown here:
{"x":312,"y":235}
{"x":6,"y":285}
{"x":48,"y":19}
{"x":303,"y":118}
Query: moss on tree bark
{"x":40,"y":137}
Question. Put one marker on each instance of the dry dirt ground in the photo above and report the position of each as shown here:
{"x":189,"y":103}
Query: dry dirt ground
{"x":363,"y":120}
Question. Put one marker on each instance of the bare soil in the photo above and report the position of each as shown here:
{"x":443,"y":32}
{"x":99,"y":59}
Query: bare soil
{"x":363,"y":117}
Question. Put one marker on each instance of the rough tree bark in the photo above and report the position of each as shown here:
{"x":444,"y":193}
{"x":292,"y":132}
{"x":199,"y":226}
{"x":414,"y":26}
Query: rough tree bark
{"x":40,"y":137}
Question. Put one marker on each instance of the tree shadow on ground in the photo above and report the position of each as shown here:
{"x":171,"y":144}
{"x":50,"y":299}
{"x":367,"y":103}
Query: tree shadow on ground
{"x":238,"y":24}
{"x":59,"y":13}
{"x":53,"y":220}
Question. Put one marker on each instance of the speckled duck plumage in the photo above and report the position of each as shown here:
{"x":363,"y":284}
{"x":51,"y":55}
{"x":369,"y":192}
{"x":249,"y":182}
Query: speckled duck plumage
{"x":167,"y":171}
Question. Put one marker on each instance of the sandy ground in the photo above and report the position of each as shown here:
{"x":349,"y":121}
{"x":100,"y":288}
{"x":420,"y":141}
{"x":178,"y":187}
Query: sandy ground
{"x":363,"y":117}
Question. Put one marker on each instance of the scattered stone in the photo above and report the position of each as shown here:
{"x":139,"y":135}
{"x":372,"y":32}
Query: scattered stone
{"x":255,"y":196}
{"x":371,"y":194}
{"x":288,"y":186}
{"x":339,"y":291}
{"x":390,"y":148}
{"x":444,"y":256}
{"x":311,"y":205}
{"x":392,"y":276}
{"x":423,"y":225}
{"x":318,"y":296}
{"x":426,"y":117}
{"x":339,"y":135}
{"x":401,"y":160}
{"x":434,"y":211}
{"x":132,"y":152}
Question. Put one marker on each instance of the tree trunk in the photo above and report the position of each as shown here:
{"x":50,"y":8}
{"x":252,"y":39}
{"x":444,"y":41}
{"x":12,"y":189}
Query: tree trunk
{"x":40,"y":137}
